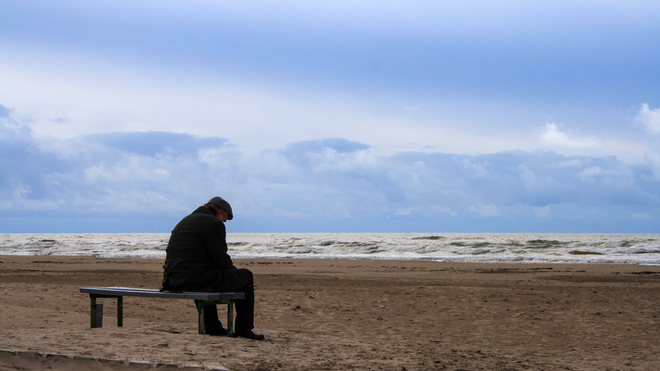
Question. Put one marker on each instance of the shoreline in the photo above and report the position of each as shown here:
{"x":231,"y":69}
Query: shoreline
{"x":340,"y":314}
{"x":532,"y":248}
{"x":356,"y":258}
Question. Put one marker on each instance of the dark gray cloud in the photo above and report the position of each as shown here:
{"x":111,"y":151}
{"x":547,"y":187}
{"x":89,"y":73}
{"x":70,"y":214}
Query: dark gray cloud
{"x":535,"y":179}
{"x":112,"y":173}
{"x":23,"y":163}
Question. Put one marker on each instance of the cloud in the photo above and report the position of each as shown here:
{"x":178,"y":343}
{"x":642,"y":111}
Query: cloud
{"x":542,"y":212}
{"x":23,"y":165}
{"x":407,"y":211}
{"x":331,"y":184}
{"x":4,"y":111}
{"x":485,"y":210}
{"x":316,"y":152}
{"x":155,"y":143}
{"x":112,"y":172}
{"x":653,"y":160}
{"x":553,"y":137}
{"x":650,"y":118}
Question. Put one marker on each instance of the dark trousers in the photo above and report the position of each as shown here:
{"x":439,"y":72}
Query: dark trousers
{"x":236,"y":280}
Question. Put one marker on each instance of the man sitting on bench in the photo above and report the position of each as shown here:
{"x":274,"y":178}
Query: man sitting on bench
{"x":197,"y":260}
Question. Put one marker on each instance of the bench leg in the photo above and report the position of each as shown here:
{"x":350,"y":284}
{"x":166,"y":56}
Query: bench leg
{"x":96,"y":319}
{"x":201,"y":329}
{"x":97,"y":311}
{"x":200,"y":317}
{"x":120,"y":311}
{"x":230,"y":318}
{"x":201,"y":325}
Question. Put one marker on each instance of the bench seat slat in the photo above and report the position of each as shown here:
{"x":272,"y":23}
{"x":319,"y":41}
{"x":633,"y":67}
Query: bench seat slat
{"x":152,"y":293}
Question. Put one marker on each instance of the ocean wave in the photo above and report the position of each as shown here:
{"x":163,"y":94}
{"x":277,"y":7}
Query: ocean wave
{"x":475,"y":247}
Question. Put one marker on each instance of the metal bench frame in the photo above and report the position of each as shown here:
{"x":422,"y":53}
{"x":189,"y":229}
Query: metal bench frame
{"x":202,"y":299}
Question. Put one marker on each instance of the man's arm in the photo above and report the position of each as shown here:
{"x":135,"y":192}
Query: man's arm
{"x":216,"y":246}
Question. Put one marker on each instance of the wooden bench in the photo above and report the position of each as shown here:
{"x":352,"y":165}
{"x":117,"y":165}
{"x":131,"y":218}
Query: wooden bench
{"x":202,"y":299}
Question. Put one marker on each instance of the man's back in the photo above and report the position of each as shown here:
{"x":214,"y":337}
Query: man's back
{"x":197,"y":249}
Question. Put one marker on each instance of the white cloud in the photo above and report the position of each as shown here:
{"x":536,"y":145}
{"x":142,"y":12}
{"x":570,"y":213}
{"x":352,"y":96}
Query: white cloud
{"x":404,"y":211}
{"x":410,"y":108}
{"x":553,"y":137}
{"x":650,"y":118}
{"x":575,"y":163}
{"x":542,"y":212}
{"x":444,"y":210}
{"x":653,"y":159}
{"x":485,"y":210}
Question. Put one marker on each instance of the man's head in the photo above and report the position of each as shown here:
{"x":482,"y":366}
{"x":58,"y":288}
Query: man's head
{"x":217,"y":203}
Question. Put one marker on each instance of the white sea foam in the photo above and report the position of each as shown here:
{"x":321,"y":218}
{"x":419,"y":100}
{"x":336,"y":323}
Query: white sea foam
{"x":461,"y":247}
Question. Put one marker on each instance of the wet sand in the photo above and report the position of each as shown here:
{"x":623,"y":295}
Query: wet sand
{"x":341,"y":315}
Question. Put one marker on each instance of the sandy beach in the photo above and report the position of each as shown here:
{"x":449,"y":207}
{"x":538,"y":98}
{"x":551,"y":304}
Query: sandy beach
{"x":341,"y":315}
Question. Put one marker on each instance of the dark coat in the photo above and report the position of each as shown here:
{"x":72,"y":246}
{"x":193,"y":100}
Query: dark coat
{"x":197,"y":258}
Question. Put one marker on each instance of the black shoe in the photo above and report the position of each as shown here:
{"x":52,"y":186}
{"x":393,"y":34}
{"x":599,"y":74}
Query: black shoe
{"x":249,"y":335}
{"x":217,"y":332}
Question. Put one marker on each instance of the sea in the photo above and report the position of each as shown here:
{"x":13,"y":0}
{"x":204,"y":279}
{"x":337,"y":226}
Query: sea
{"x":637,"y":249}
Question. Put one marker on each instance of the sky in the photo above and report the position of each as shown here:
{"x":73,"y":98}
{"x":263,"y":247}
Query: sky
{"x":331,"y":116}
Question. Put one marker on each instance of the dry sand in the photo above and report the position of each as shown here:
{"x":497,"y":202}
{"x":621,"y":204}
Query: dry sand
{"x":339,"y":315}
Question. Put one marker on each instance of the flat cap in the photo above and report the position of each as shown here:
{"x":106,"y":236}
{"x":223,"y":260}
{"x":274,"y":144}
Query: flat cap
{"x":220,"y":203}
